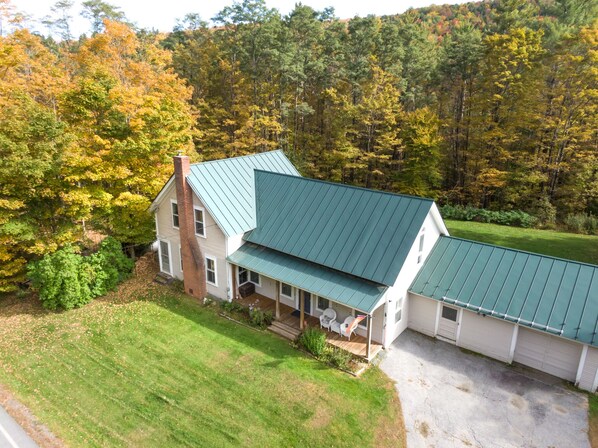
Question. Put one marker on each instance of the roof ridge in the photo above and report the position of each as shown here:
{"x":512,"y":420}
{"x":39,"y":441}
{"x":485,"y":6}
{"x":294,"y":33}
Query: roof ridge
{"x":354,"y":187}
{"x":257,"y":154}
{"x":583,"y":263}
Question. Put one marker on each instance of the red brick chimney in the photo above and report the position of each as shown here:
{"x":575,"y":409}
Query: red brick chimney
{"x":194,"y":272}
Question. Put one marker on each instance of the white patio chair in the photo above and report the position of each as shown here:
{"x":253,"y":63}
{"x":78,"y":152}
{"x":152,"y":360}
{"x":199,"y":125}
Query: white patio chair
{"x":345,"y":327}
{"x":327,"y":318}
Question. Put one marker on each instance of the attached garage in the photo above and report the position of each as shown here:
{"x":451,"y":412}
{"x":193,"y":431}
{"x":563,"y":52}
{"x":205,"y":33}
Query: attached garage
{"x":517,"y":306}
{"x":422,"y":314}
{"x":483,"y":334}
{"x":550,"y":354}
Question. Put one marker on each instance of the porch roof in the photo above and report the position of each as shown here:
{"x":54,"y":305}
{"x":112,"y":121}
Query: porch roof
{"x":348,"y":290}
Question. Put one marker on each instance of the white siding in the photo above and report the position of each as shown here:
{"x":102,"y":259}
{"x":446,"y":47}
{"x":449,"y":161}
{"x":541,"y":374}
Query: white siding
{"x":214,"y":244}
{"x":408,"y":272}
{"x":486,"y":335}
{"x":422,"y":314}
{"x":590,"y":367}
{"x":550,"y":354}
{"x":166,"y":232}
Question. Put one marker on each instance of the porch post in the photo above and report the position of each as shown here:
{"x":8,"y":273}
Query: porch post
{"x":234,"y":285}
{"x":367,"y":352}
{"x":302,"y":308}
{"x":277,"y":299}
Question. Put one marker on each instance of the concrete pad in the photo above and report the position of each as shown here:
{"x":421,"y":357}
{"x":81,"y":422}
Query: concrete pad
{"x":455,"y":399}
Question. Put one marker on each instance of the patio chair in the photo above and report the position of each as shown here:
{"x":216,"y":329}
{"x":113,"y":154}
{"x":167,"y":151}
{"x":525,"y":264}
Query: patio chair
{"x":327,"y":318}
{"x":346,"y":329}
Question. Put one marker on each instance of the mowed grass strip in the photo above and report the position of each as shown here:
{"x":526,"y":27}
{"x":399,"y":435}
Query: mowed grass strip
{"x":166,"y":371}
{"x":557,"y":244}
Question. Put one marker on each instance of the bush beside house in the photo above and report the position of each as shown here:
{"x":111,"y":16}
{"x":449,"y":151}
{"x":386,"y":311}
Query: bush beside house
{"x":66,"y":279}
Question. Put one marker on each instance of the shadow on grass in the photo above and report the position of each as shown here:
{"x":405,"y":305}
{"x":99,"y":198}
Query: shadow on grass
{"x":207,"y":316}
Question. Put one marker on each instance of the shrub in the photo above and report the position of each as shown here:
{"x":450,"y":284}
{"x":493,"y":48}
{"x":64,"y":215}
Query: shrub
{"x":233,"y":307}
{"x":260,"y":318}
{"x":62,"y":278}
{"x":314,"y":340}
{"x":109,"y":266}
{"x":66,"y":279}
{"x":507,"y":218}
{"x":339,"y":358}
{"x":582,"y":223}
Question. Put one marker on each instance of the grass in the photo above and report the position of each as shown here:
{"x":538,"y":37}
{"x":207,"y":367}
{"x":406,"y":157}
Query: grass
{"x":151,"y":367}
{"x":558,"y":244}
{"x":593,"y":416}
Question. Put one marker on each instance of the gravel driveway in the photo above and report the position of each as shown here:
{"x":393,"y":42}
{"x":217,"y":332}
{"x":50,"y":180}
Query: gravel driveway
{"x":454,"y":399}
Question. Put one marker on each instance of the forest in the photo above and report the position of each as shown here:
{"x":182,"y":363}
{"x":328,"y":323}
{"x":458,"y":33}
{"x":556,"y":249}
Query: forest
{"x":489,"y":104}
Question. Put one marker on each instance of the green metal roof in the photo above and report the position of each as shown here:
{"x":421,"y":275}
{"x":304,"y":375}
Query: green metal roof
{"x":318,"y":280}
{"x":362,"y":232}
{"x":226,"y":187}
{"x":546,"y":293}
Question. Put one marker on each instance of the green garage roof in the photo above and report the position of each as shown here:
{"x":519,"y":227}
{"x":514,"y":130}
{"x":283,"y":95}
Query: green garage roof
{"x":226,"y":187}
{"x":545,"y":293}
{"x":362,"y":232}
{"x":319,"y":280}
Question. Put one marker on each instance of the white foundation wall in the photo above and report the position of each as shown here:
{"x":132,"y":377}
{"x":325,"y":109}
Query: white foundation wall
{"x":213,"y":245}
{"x":408,"y":273}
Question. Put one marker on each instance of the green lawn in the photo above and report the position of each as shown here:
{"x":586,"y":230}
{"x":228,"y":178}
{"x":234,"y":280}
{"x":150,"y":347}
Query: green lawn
{"x":165,"y":371}
{"x":593,"y":416}
{"x":558,"y":244}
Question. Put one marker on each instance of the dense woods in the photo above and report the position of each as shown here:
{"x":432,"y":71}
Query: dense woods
{"x":490,"y":104}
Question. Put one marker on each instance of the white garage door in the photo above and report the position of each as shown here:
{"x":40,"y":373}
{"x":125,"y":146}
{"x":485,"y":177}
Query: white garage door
{"x":547,"y":353}
{"x":486,"y":335}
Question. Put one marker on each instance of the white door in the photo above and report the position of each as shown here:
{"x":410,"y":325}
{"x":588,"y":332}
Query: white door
{"x":165,"y":257}
{"x":550,"y":354}
{"x":448,"y":323}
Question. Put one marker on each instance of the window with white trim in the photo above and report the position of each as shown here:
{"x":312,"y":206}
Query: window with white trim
{"x":364,"y":323}
{"x":200,"y":226}
{"x":254,"y":278}
{"x":421,"y":248}
{"x":399,"y":311}
{"x":286,"y":290}
{"x":322,"y":303}
{"x":245,"y":276}
{"x":175,"y":214}
{"x":211,"y":271}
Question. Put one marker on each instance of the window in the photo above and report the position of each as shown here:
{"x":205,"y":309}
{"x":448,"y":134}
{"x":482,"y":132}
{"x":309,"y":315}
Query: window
{"x":243,"y":276}
{"x":421,"y":248}
{"x":399,"y":310}
{"x":364,"y":323}
{"x":211,"y":271}
{"x":286,"y":290}
{"x":165,"y":257}
{"x":323,"y":303}
{"x":200,"y":228}
{"x":248,"y":276}
{"x":181,"y":256}
{"x":254,"y":277}
{"x":175,"y":214}
{"x":449,"y":313}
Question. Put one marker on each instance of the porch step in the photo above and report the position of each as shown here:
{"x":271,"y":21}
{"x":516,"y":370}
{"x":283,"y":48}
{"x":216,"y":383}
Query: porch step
{"x":163,"y":279}
{"x":284,"y":330}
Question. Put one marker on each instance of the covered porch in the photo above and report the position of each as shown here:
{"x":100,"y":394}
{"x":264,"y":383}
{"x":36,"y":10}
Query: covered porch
{"x":286,"y":315}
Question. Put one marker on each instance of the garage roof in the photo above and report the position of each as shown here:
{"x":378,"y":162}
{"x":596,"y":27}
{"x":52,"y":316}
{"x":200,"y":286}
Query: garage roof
{"x":319,"y":280}
{"x":362,"y":232}
{"x":546,"y":293}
